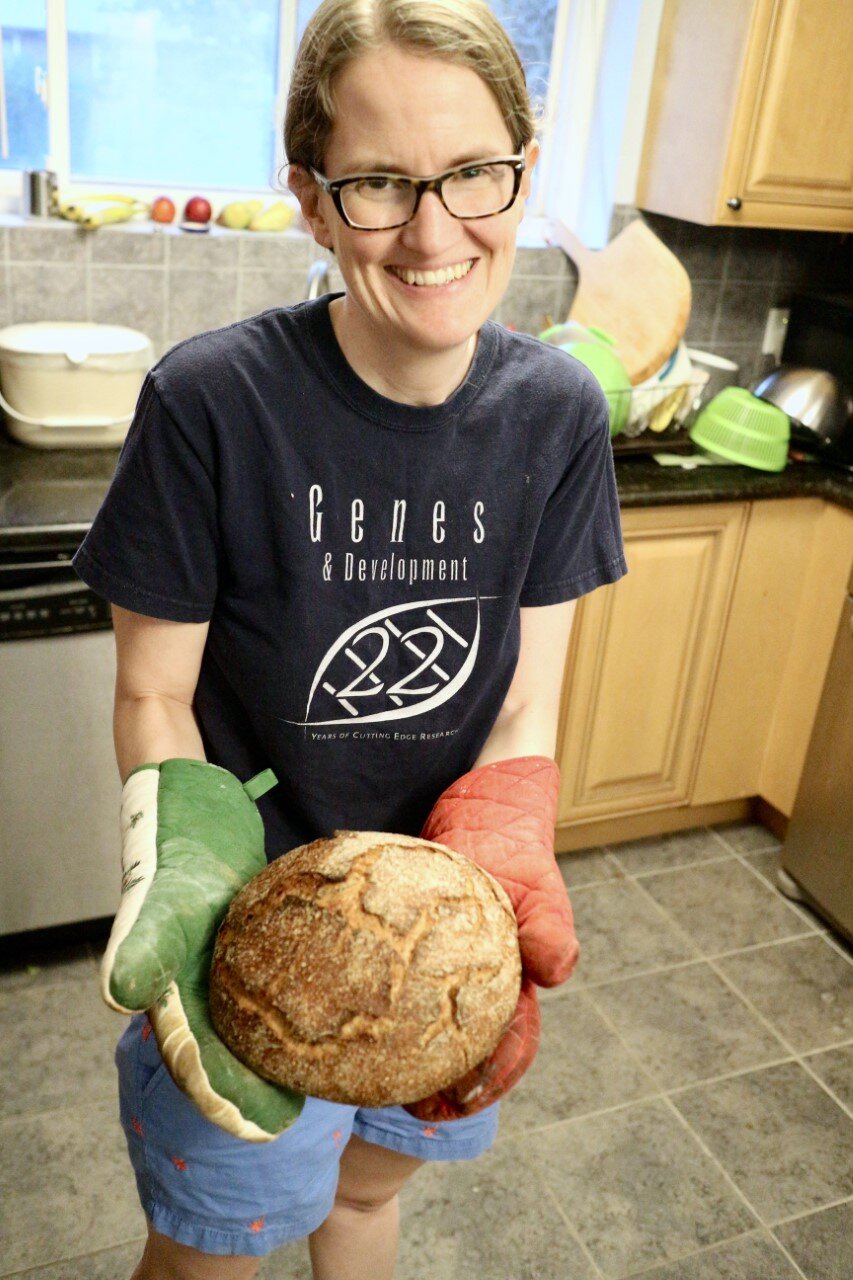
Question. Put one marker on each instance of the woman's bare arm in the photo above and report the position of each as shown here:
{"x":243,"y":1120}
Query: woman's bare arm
{"x":527,"y":722}
{"x":158,"y":664}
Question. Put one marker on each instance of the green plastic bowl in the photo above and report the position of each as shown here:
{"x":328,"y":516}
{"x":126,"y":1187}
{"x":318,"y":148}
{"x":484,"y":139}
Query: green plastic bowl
{"x":738,"y":426}
{"x":601,"y":359}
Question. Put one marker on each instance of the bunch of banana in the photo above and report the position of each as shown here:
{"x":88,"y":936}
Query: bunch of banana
{"x":93,"y":211}
{"x":250,"y":215}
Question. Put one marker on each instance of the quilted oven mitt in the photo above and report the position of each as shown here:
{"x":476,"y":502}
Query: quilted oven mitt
{"x":502,"y":816}
{"x":192,"y":836}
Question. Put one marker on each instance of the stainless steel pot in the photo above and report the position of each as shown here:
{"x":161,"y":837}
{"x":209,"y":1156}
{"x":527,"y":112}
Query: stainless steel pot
{"x":819,"y":405}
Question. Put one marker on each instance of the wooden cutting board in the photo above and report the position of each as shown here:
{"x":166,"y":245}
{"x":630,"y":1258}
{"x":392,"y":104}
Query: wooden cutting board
{"x":635,"y":289}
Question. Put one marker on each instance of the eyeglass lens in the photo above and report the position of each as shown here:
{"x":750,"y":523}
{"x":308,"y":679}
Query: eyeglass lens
{"x":377,"y":202}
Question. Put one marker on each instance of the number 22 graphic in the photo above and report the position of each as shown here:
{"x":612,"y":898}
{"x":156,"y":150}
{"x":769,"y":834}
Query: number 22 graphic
{"x":358,"y":689}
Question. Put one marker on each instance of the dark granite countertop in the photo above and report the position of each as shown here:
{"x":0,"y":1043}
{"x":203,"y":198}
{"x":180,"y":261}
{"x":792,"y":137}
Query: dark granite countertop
{"x":642,"y":482}
{"x":56,"y":493}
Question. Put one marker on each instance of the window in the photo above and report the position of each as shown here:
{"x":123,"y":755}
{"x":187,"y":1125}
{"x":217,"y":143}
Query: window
{"x":173,"y":91}
{"x":531,"y":23}
{"x":178,"y":95}
{"x":23,"y":85}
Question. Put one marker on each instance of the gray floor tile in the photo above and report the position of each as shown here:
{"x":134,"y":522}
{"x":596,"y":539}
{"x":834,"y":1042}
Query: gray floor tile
{"x":686,"y":1025}
{"x":107,"y":1264}
{"x":804,"y":988}
{"x":587,"y":867}
{"x":658,"y":853}
{"x":56,"y":1047}
{"x":637,"y":1187}
{"x":488,"y":1218}
{"x":782,"y":1139}
{"x":835,"y":1068}
{"x":621,"y":932}
{"x":581,"y":1066}
{"x":822,"y":1243}
{"x":66,"y":1186}
{"x":766,"y":862}
{"x":723,"y":907}
{"x":752,"y":1257}
{"x":747,"y":837}
{"x":34,"y":968}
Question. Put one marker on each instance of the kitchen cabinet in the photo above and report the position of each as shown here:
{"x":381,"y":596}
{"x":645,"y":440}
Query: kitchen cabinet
{"x":750,"y":119}
{"x":790,"y":589}
{"x":692,"y":684}
{"x":642,"y":663}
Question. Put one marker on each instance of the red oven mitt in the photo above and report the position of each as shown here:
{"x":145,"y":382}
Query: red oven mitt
{"x":502,"y":816}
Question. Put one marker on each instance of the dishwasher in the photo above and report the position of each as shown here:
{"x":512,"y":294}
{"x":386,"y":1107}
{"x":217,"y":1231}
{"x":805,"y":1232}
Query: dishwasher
{"x":816,"y":864}
{"x":59,"y":784}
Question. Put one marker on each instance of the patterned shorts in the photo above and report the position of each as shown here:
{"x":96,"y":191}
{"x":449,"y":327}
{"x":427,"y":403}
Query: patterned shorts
{"x":222,"y":1195}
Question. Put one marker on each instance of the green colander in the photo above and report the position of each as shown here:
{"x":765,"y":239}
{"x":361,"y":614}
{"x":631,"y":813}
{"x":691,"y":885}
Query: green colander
{"x":738,"y":426}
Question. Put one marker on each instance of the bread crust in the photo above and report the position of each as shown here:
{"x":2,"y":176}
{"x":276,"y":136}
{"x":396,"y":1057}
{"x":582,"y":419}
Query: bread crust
{"x":368,"y":968}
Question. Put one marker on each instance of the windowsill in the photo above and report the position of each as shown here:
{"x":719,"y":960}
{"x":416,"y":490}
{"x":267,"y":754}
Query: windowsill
{"x":141,"y":226}
{"x":532,"y":233}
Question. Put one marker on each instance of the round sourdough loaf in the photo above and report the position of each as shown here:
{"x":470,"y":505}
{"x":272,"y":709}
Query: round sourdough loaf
{"x":368,"y":968}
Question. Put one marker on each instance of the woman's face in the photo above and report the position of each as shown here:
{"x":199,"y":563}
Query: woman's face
{"x":399,"y":112}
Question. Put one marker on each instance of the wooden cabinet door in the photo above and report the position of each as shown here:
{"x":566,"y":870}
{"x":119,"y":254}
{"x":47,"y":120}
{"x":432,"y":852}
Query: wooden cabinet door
{"x":750,"y":117}
{"x":642,"y":663}
{"x":792,"y":142}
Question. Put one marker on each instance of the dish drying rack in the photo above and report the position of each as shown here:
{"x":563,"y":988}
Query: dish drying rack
{"x":658,"y":417}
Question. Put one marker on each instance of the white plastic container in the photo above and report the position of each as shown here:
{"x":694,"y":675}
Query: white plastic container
{"x":69,"y":384}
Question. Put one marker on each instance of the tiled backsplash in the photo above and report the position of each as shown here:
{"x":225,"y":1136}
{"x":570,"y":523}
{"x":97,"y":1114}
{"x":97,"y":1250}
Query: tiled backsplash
{"x":171,"y":284}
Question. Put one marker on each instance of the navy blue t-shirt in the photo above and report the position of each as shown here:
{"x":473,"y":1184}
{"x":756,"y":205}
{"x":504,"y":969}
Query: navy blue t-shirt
{"x":361,"y":562}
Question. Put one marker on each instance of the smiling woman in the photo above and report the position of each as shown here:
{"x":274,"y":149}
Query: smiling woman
{"x":331,"y":520}
{"x":417,"y":291}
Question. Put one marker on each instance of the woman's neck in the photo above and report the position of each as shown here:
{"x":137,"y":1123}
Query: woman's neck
{"x":410,"y":377}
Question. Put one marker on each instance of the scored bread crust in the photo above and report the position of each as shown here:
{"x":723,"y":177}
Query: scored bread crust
{"x":367,"y":968}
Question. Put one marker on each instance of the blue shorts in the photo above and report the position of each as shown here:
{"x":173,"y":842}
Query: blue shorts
{"x":222,"y":1195}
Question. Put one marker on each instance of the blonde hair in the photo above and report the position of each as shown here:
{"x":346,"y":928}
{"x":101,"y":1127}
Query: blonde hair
{"x":465,"y":32}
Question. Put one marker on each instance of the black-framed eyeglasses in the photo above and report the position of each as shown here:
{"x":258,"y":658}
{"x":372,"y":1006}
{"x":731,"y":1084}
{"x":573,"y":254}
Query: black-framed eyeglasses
{"x":382,"y":201}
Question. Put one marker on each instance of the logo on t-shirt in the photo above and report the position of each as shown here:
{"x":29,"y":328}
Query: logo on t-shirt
{"x":399,"y":662}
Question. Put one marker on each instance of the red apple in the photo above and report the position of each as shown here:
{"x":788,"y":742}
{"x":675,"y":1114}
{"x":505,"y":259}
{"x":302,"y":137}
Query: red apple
{"x":198,"y":210}
{"x":162,"y":210}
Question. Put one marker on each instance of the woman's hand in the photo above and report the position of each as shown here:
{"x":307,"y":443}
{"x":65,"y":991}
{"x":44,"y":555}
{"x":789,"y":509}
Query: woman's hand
{"x":191,"y":838}
{"x":502,"y":817}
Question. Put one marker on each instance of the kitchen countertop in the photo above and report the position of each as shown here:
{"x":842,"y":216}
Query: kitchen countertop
{"x":61,"y":490}
{"x":642,"y":482}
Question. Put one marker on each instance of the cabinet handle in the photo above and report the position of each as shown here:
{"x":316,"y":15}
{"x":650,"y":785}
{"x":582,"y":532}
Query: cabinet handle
{"x":734,"y":202}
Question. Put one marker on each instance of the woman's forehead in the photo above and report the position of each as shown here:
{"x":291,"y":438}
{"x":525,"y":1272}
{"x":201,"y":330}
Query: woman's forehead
{"x":394,"y":109}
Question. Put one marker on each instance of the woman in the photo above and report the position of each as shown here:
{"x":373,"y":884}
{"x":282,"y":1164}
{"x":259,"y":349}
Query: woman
{"x":344,"y":540}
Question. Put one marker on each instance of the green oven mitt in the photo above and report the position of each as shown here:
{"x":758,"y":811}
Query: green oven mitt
{"x":191,"y":838}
